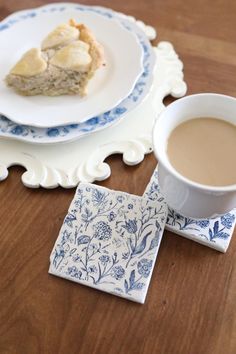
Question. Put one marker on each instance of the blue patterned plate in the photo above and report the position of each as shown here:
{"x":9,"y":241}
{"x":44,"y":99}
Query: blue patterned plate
{"x":123,"y":61}
{"x":74,"y":131}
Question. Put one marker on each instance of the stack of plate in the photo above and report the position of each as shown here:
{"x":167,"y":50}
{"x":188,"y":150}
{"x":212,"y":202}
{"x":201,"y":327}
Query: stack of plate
{"x":114,"y":91}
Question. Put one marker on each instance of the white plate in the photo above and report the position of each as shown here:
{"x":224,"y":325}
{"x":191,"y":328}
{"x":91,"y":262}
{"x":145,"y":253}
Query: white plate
{"x":110,"y":85}
{"x":86,"y":159}
{"x":67,"y":133}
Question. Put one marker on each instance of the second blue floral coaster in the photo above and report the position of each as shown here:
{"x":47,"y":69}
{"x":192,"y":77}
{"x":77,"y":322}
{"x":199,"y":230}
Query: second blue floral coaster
{"x":109,"y":240}
{"x":215,"y":233}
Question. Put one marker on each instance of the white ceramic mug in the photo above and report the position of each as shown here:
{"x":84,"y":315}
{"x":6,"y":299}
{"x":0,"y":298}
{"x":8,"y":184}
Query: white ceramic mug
{"x":189,"y":198}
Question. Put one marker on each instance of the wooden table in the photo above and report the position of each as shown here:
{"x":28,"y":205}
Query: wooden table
{"x":191,"y":304}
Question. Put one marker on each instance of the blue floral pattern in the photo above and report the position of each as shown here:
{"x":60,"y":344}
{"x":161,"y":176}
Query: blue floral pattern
{"x":110,"y":240}
{"x":144,"y":267}
{"x":215,"y":233}
{"x":74,"y":131}
{"x":102,"y":231}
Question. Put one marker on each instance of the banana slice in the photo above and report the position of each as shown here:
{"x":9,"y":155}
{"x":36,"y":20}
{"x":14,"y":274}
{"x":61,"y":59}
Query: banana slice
{"x":62,"y":35}
{"x":30,"y":64}
{"x":75,"y":57}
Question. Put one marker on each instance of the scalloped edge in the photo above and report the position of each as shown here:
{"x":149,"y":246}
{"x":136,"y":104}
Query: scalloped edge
{"x":53,"y":166}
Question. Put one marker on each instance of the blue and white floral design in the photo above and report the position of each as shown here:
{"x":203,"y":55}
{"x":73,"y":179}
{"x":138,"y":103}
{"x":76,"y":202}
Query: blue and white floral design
{"x":110,"y":240}
{"x":215,"y":233}
{"x":75,"y":131}
{"x":144,"y":268}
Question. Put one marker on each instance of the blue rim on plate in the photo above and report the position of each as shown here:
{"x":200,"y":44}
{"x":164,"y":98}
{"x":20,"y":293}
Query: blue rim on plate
{"x":71,"y":132}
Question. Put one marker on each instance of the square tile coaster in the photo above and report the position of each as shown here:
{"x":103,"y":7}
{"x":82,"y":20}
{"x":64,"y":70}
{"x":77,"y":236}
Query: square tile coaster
{"x":215,"y":233}
{"x":109,"y":240}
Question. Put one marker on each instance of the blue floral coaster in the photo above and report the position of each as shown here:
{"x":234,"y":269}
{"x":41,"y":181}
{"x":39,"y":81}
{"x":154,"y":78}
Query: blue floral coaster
{"x":215,"y":233}
{"x":109,"y":240}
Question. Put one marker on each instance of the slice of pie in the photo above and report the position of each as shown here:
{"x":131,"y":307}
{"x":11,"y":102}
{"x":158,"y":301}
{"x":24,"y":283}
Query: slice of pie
{"x":66,"y":61}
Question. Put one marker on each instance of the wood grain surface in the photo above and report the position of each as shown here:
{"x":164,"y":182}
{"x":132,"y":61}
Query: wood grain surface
{"x":191,"y":303}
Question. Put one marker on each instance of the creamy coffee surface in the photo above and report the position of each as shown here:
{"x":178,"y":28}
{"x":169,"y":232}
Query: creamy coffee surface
{"x":204,"y":151}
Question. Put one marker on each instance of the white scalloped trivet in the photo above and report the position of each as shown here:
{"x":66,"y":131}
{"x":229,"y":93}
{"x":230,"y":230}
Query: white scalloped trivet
{"x":83,"y":160}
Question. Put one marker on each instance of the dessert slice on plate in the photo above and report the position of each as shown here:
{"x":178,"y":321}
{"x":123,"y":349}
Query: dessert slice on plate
{"x":66,"y":61}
